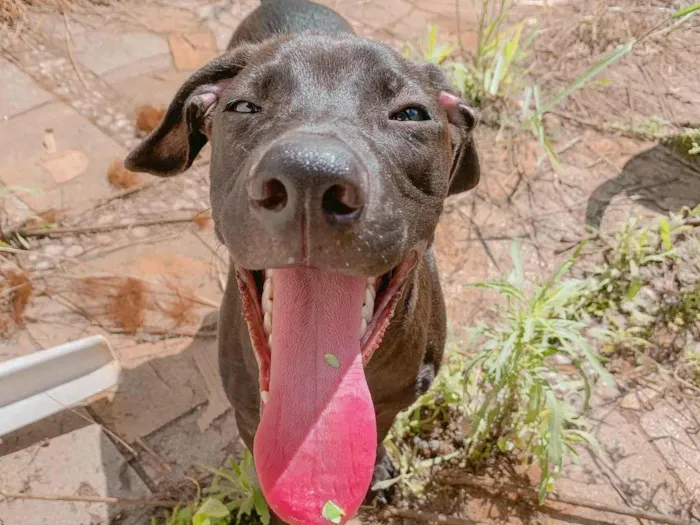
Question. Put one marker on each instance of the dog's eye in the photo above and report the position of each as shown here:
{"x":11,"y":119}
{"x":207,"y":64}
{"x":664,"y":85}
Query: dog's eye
{"x":412,"y":113}
{"x":242,"y":106}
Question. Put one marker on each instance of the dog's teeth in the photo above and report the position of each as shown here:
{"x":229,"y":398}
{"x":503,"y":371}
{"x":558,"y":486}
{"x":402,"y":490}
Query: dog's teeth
{"x":269,"y":341}
{"x":371,"y":281}
{"x":369,"y":297}
{"x":267,"y":323}
{"x":267,"y":295}
{"x":367,"y":311}
{"x":363,"y":327}
{"x":265,"y":396}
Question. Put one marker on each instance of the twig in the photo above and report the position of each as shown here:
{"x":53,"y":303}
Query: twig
{"x":92,"y":499}
{"x":43,"y":232}
{"x":485,"y":483}
{"x":393,"y":512}
{"x":155,"y":456}
{"x":69,"y":39}
{"x":124,"y":193}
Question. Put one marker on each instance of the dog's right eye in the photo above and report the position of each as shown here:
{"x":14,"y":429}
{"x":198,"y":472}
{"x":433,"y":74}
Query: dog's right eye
{"x":242,"y":106}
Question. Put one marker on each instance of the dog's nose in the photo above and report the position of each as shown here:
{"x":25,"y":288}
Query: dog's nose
{"x":319,"y":176}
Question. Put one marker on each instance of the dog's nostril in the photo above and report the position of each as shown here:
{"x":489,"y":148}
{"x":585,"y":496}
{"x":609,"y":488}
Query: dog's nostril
{"x":272,"y":195}
{"x":342,"y":202}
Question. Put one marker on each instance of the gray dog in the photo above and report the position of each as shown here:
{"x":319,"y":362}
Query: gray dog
{"x":332,"y":156}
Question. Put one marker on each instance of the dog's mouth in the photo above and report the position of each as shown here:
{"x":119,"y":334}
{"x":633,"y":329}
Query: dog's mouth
{"x":312,"y":333}
{"x":380,"y":297}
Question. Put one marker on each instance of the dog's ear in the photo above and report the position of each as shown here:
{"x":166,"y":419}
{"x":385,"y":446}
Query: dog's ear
{"x":465,"y":172}
{"x":172,"y":147}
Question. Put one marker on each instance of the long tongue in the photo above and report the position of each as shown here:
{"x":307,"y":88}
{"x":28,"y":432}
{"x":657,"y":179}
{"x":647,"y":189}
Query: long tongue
{"x":316,"y":444}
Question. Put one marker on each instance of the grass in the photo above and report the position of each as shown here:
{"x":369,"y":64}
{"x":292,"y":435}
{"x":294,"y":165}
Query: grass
{"x":233,"y":497}
{"x":525,"y":405}
{"x":496,"y":74}
{"x":513,"y":395}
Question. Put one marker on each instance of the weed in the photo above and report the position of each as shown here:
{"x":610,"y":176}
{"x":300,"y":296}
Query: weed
{"x":514,"y":394}
{"x":687,"y":142}
{"x":525,"y":405}
{"x":429,"y":49}
{"x":614,"y":285}
{"x":234,"y":494}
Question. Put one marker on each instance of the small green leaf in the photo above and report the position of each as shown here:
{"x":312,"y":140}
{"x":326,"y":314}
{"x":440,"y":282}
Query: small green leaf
{"x":332,"y":512}
{"x":332,"y":360}
{"x":211,"y":508}
{"x":634,"y":288}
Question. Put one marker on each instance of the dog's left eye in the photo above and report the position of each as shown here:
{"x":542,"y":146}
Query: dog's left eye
{"x":242,"y":106}
{"x":412,"y":113}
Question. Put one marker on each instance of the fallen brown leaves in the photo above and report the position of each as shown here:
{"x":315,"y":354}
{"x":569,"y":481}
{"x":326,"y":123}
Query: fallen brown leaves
{"x":129,"y":304}
{"x":148,"y":118}
{"x":120,"y":177}
{"x":202,"y":220}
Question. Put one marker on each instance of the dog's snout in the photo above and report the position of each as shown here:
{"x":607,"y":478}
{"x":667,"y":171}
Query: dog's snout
{"x":318,"y":176}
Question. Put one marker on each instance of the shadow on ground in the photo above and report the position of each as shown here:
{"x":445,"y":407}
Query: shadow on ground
{"x":658,"y":179}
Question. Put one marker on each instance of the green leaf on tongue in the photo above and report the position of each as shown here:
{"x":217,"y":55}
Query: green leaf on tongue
{"x":331,"y":511}
{"x":332,"y":360}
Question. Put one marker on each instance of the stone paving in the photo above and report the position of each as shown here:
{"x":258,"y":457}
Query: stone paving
{"x":68,"y":102}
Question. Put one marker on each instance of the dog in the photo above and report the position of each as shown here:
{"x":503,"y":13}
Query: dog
{"x":332,"y":156}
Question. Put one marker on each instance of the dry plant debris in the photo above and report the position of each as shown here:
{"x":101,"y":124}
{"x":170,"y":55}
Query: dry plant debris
{"x":126,"y":306}
{"x":14,"y":299}
{"x":130,"y":305}
{"x":181,"y":309}
{"x":120,"y":177}
{"x":148,"y":117}
{"x":202,"y":220}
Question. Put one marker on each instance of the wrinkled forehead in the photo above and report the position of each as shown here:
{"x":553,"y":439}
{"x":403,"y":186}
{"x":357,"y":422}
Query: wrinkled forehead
{"x":319,"y":67}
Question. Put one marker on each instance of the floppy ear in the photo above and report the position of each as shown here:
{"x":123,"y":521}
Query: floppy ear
{"x":465,"y":171}
{"x":172,"y":147}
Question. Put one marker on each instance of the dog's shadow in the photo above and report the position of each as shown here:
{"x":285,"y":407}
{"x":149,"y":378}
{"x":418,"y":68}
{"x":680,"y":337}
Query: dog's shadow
{"x":658,"y":179}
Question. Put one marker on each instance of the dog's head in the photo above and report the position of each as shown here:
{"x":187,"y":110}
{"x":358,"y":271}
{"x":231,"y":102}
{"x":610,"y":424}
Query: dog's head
{"x":331,"y":159}
{"x":332,"y":153}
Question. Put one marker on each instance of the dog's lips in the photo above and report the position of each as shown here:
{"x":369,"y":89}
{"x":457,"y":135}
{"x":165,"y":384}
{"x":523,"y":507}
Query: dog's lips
{"x":312,"y":332}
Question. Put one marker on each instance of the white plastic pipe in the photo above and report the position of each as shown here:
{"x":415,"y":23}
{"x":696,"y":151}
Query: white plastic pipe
{"x":46,"y":382}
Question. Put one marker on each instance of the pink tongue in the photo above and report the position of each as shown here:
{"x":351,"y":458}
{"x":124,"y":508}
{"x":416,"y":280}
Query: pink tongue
{"x":316,"y":444}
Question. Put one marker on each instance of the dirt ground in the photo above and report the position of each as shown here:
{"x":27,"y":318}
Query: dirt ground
{"x":135,"y":257}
